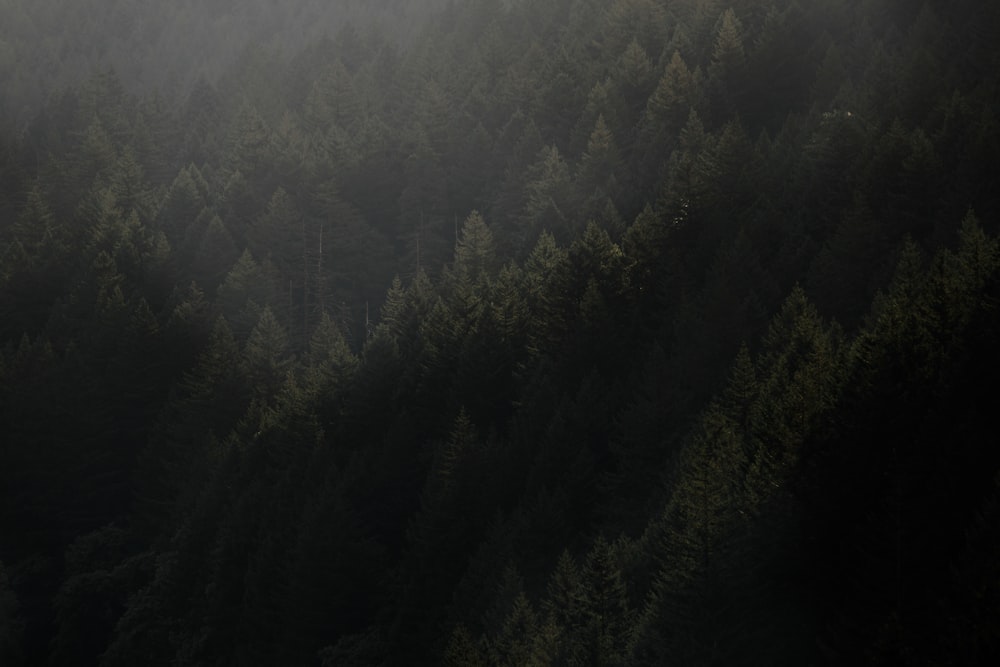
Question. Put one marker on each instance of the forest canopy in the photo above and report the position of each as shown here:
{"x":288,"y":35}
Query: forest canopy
{"x":488,"y":332}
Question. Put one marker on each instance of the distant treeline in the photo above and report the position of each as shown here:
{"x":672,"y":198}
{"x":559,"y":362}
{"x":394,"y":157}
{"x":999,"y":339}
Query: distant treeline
{"x":47,"y":46}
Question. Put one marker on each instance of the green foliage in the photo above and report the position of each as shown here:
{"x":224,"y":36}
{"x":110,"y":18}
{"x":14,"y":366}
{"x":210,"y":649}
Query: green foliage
{"x":266,"y":355}
{"x":244,"y":294}
{"x":462,"y":650}
{"x":216,"y":250}
{"x":702,"y":277}
{"x":668,"y":107}
{"x":548,"y":196}
{"x":475,"y":252}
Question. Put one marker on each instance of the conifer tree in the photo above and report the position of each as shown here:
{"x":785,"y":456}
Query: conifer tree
{"x":393,"y":310}
{"x":266,"y":355}
{"x":605,"y":614}
{"x":548,"y":206}
{"x":665,"y":113}
{"x":641,"y":21}
{"x":546,"y":275}
{"x":215,"y":253}
{"x":727,"y":67}
{"x":515,"y":644}
{"x":475,"y":252}
{"x":462,"y":650}
{"x":250,"y":142}
{"x":633,"y":82}
{"x":182,"y":205}
{"x":600,"y":170}
{"x":243,"y":295}
{"x":332,"y":100}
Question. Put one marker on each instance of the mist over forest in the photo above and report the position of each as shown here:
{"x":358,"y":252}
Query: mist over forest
{"x":499,"y":332}
{"x":50,"y":45}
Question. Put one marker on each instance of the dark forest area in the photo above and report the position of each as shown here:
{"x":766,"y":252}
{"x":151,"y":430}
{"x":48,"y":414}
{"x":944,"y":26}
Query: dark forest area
{"x":499,"y":332}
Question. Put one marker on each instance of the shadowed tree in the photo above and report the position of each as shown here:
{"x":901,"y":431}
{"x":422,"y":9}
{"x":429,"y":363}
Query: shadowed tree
{"x":727,"y":68}
{"x":548,"y":206}
{"x":266,"y":355}
{"x":216,"y":251}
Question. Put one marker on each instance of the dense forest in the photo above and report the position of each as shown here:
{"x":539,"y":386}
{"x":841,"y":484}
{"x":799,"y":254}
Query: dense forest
{"x":499,"y":332}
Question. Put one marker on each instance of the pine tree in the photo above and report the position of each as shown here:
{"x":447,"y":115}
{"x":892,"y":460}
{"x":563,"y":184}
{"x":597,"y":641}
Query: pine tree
{"x":250,"y":143}
{"x":332,"y":575}
{"x":442,"y":532}
{"x":475,"y":252}
{"x":36,"y":233}
{"x":681,"y":187}
{"x":276,"y":234}
{"x":377,"y":384}
{"x":600,"y":170}
{"x":267,"y":356}
{"x":633,"y":82}
{"x":548,"y":205}
{"x":727,"y":67}
{"x":684,"y":620}
{"x":188,"y":324}
{"x":424,"y":221}
{"x":332,"y":100}
{"x":741,"y":391}
{"x":182,"y":205}
{"x":243,"y":295}
{"x":216,"y":252}
{"x":393,"y":311}
{"x":462,"y":650}
{"x":605,"y":614}
{"x":515,"y":644}
{"x":127,"y":182}
{"x":562,"y":606}
{"x":205,"y":404}
{"x":519,"y":144}
{"x":331,"y":368}
{"x":546,"y":275}
{"x":665,"y":114}
{"x":94,"y":157}
{"x":641,"y":21}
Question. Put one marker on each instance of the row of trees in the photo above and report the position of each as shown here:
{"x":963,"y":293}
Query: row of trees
{"x":568,"y":333}
{"x":48,"y":45}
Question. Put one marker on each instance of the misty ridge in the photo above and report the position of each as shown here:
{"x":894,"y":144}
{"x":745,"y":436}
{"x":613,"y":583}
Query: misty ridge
{"x":49,"y":45}
{"x":499,"y":332}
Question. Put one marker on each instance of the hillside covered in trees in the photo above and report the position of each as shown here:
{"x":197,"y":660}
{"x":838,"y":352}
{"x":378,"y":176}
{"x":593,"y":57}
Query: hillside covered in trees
{"x":527,"y":332}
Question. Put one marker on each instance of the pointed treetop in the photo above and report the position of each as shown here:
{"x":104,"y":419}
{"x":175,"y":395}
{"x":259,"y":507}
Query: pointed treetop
{"x":251,"y":139}
{"x":635,"y":69}
{"x":644,"y":21}
{"x":191,"y":309}
{"x":601,"y":161}
{"x":332,"y":99}
{"x":220,"y":357}
{"x":393,"y":311}
{"x":268,"y":341}
{"x":728,"y":56}
{"x":601,"y":142}
{"x":475,"y":252}
{"x":330,"y":358}
{"x":674,"y":94}
{"x":216,"y":251}
{"x":693,"y":133}
{"x":267,"y":355}
{"x":243,"y":274}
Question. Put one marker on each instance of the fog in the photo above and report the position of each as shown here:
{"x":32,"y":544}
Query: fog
{"x":47,"y":45}
{"x":508,"y":333}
